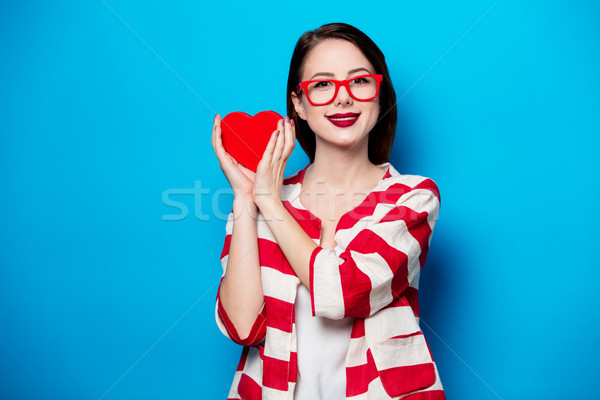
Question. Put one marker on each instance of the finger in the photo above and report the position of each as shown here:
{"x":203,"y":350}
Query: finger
{"x":214,"y":131}
{"x":268,"y":153}
{"x":214,"y":127}
{"x":290,"y":138}
{"x":218,"y":138}
{"x":222,"y":154}
{"x":279,"y":145}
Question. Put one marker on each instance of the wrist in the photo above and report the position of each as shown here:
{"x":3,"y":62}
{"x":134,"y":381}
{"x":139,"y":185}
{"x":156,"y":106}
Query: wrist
{"x":270,"y":208}
{"x":244,"y":204}
{"x":265,"y":200}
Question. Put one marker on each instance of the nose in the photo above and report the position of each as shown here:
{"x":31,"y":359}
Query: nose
{"x":343,"y":97}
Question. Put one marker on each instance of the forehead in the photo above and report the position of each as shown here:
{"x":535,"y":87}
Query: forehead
{"x":334,"y":56}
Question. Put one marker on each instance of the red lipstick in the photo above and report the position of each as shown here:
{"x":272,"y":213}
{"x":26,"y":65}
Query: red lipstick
{"x":343,"y":120}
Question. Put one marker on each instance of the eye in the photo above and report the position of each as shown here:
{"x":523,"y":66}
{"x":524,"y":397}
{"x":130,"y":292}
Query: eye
{"x":321,"y":84}
{"x":359,"y":81}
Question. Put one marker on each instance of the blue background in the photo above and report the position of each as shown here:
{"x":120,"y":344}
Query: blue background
{"x":112,"y":202}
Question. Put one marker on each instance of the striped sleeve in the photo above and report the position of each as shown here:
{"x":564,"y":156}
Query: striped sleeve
{"x":258,"y":331}
{"x":379,"y":261}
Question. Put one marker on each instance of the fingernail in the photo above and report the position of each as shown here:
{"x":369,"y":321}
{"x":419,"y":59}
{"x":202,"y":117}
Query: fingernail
{"x":292,"y":122}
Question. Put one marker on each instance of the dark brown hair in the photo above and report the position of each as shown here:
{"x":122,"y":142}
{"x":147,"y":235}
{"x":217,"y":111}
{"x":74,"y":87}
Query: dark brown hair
{"x":381,"y":136}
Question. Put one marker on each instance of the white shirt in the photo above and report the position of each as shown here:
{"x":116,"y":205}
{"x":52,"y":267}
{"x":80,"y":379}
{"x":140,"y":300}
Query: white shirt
{"x":322,"y":347}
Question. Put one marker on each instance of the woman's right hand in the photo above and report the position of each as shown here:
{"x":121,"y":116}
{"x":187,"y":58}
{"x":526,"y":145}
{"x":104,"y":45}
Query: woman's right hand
{"x":240,"y":292}
{"x":239,"y":177}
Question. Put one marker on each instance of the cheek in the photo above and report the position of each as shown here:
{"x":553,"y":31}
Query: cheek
{"x":313,"y":113}
{"x":310,"y":111}
{"x":374,"y":117}
{"x":313,"y":119}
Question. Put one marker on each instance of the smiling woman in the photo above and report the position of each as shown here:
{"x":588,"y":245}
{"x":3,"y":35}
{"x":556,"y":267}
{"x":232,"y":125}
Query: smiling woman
{"x":321,"y":268}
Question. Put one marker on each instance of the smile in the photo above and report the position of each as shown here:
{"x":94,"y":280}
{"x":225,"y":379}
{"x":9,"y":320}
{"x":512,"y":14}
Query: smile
{"x":343,"y":120}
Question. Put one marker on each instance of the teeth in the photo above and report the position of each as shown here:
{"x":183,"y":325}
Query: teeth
{"x":344,"y":119}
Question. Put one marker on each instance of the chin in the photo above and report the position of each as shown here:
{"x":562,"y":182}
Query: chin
{"x":347,"y":137}
{"x":340,"y":137}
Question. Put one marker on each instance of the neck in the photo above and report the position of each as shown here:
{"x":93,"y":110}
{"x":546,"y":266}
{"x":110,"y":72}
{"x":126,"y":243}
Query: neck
{"x":342,"y":167}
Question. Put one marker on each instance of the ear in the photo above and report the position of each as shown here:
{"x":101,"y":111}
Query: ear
{"x":298,"y":106}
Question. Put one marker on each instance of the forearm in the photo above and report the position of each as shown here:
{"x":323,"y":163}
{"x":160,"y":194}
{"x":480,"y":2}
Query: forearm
{"x":241,"y":292}
{"x":296,"y":245}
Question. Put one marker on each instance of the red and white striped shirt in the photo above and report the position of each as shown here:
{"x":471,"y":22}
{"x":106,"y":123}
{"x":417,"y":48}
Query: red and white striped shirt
{"x":371,"y":275}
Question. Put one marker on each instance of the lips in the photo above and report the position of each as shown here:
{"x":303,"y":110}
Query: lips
{"x":343,"y":120}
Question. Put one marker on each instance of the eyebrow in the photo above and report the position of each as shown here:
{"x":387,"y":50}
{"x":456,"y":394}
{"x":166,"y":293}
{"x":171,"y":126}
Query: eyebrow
{"x":329,"y":74}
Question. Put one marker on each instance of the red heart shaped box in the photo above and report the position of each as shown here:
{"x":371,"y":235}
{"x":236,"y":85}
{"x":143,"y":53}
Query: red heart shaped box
{"x":245,"y":137}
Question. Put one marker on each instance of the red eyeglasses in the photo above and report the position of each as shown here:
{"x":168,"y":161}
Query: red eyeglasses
{"x":320,"y":92}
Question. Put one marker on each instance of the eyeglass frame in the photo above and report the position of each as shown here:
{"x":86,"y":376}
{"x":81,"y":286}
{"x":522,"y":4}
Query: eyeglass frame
{"x":338,"y":83}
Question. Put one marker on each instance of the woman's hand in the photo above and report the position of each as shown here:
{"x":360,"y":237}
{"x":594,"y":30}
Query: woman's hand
{"x":239,"y":177}
{"x":270,"y":170}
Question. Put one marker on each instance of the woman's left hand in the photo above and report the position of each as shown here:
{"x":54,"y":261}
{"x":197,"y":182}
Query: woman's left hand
{"x":270,"y":170}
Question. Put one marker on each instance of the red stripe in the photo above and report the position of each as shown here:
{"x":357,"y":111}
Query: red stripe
{"x":275,"y":373}
{"x":387,"y":173}
{"x":243,"y":358}
{"x":226,"y":246}
{"x":429,"y":185}
{"x":398,"y":213}
{"x":271,"y":256}
{"x":293,"y":366}
{"x":356,"y":287}
{"x":367,"y":206}
{"x":248,"y":389}
{"x":301,"y":173}
{"x":359,"y":377}
{"x":419,"y":333}
{"x":406,"y":214}
{"x":401,"y":380}
{"x":391,"y":194}
{"x":307,"y":220}
{"x":292,"y":180}
{"x":358,"y":329}
{"x":281,"y":313}
{"x":428,"y":395}
{"x":296,"y":178}
{"x":364,"y":209}
{"x":311,"y":276}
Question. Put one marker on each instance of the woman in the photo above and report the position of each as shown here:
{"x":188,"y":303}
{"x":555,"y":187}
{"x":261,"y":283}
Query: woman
{"x":321,"y":268}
